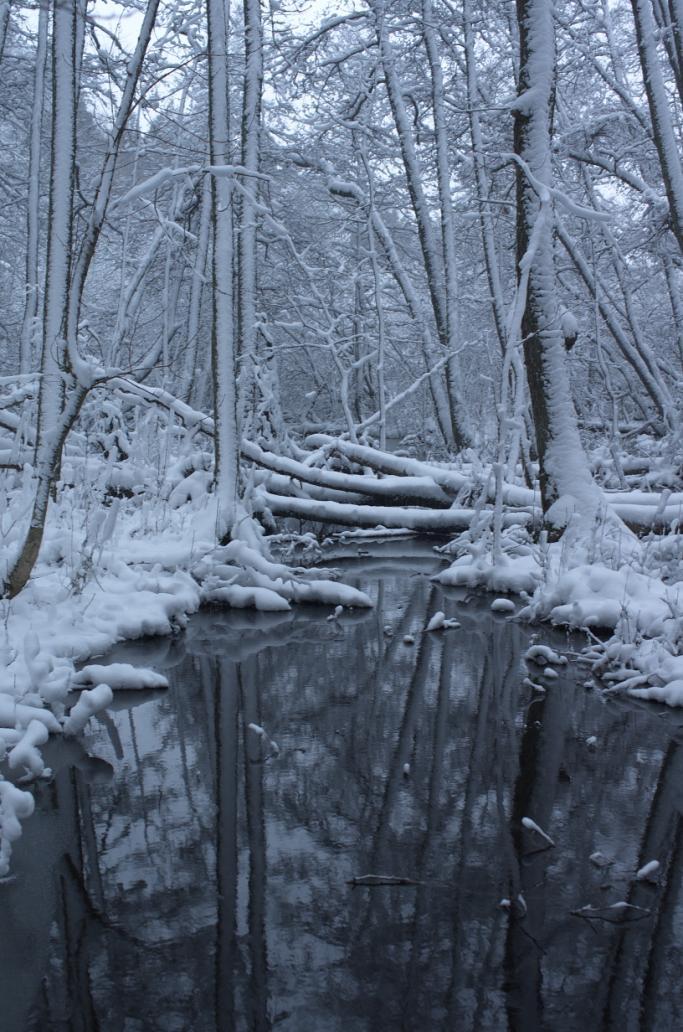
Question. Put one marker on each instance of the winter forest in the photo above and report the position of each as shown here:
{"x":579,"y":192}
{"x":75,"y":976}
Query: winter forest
{"x":341,"y":356}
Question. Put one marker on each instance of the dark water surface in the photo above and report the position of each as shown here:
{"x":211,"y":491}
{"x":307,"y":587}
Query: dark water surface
{"x":187,"y":877}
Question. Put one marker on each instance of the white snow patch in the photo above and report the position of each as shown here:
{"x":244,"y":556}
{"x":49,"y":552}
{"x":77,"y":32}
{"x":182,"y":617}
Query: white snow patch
{"x":120,"y":676}
{"x":531,"y":825}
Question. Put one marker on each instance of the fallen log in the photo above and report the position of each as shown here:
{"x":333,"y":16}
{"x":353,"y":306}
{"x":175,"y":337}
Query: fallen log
{"x":452,"y":481}
{"x":422,"y":490}
{"x":641,"y":511}
{"x":428,"y":521}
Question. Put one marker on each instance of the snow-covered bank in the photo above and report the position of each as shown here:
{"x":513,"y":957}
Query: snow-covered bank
{"x":593,"y":581}
{"x":144,"y":575}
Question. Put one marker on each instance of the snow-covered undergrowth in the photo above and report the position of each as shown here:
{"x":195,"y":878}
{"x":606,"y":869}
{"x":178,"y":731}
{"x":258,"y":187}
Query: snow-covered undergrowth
{"x":598,"y":577}
{"x":112,"y":569}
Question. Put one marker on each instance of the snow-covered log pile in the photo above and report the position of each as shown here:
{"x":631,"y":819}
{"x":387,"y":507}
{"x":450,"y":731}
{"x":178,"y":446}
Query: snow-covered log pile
{"x":380,"y":489}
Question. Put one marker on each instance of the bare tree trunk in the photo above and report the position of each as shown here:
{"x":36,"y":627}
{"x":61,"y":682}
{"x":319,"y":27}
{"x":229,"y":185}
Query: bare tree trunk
{"x":250,"y":158}
{"x":425,"y":230}
{"x":482,"y":184}
{"x":597,"y":290}
{"x":195,"y":362}
{"x":55,"y":418}
{"x":443,"y":177}
{"x":222,"y":336}
{"x":563,"y":466}
{"x":100,"y":203}
{"x":4,"y":24}
{"x":54,"y":362}
{"x":29,"y":324}
{"x":660,"y":113}
{"x":674,"y":289}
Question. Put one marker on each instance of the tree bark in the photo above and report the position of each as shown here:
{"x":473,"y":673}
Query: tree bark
{"x":660,"y":114}
{"x":563,"y":466}
{"x":222,"y":334}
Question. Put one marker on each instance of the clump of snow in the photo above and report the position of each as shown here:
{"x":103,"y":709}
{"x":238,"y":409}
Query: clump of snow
{"x":543,"y":654}
{"x":26,"y":754}
{"x":436,"y":622}
{"x":503,"y":605}
{"x":91,"y":701}
{"x":600,"y":860}
{"x":440,"y":622}
{"x":648,"y":871}
{"x":120,"y":676}
{"x":15,"y":806}
{"x":513,"y":566}
{"x":670,"y":694}
{"x":515,"y":574}
{"x":531,"y":825}
{"x":268,"y":746}
{"x":593,"y":595}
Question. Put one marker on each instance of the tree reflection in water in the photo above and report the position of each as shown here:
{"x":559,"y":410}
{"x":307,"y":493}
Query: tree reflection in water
{"x":201,"y":881}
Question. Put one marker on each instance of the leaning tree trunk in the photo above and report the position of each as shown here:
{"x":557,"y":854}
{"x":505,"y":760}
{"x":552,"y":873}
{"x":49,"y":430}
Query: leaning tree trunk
{"x":54,"y":420}
{"x":660,"y":113}
{"x":443,"y":178}
{"x":31,"y":307}
{"x":436,"y":284}
{"x":98,"y":210}
{"x":222,"y":334}
{"x":564,"y":470}
{"x":4,"y":24}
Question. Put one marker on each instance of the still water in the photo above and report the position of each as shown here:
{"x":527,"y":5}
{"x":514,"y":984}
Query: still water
{"x":189,"y":873}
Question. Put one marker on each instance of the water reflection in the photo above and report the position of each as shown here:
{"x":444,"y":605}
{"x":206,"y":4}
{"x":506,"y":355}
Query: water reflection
{"x":197,"y":877}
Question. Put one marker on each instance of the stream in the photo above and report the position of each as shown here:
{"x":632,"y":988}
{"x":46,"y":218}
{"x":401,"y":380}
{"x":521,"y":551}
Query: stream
{"x":194,"y":864}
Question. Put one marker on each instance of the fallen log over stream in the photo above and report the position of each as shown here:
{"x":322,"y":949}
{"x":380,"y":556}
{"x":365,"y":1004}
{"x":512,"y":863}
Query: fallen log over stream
{"x":394,"y":491}
{"x":432,"y":521}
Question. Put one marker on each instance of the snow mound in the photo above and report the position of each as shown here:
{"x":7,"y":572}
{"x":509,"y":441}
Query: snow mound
{"x":120,"y":676}
{"x":592,"y":595}
{"x":516,"y":574}
{"x":543,"y":654}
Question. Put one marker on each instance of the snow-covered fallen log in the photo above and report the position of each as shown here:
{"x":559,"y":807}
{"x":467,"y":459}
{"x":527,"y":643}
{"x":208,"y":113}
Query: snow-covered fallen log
{"x":429,"y":521}
{"x":418,"y":490}
{"x":403,"y":480}
{"x":451,"y":480}
{"x":279,"y":484}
